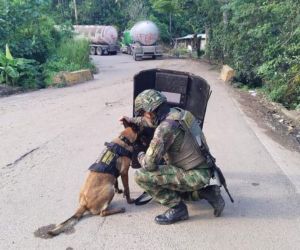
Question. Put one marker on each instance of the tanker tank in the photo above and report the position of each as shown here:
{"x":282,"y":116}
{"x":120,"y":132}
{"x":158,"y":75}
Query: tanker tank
{"x":102,"y":39}
{"x":145,"y":35}
{"x":145,"y":32}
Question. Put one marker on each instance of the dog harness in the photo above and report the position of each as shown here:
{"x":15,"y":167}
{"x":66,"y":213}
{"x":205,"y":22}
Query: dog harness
{"x":107,"y":162}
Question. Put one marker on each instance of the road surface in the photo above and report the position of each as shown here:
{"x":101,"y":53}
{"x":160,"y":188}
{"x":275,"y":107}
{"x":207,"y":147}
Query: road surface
{"x":50,"y":137}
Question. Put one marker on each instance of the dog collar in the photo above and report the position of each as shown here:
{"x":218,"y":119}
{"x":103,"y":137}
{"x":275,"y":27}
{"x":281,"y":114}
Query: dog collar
{"x":126,"y":140}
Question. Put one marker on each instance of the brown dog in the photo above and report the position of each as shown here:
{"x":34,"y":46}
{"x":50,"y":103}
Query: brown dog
{"x":100,"y":187}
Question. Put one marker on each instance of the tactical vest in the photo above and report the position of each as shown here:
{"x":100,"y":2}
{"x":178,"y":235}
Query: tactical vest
{"x":188,"y":155}
{"x":107,"y":162}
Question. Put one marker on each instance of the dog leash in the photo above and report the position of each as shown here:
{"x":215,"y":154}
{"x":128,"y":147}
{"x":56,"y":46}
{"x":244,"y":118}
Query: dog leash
{"x":143,"y":199}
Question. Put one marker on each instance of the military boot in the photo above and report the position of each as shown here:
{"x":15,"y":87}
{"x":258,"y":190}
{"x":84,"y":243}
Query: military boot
{"x":172,"y":215}
{"x":213,"y":195}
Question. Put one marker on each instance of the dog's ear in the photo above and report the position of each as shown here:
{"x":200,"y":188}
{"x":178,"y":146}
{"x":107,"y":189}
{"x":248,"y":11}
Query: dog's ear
{"x":126,"y":123}
{"x":134,"y":127}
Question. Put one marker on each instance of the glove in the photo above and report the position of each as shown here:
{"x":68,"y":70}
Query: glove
{"x":140,"y":155}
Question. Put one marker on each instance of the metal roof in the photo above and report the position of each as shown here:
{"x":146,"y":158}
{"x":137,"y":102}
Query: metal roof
{"x":191,"y":36}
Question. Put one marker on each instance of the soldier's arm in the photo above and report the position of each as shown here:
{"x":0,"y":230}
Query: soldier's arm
{"x":163,"y":137}
{"x":140,"y":121}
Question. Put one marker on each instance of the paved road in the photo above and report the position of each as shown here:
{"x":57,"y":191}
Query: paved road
{"x":50,"y":137}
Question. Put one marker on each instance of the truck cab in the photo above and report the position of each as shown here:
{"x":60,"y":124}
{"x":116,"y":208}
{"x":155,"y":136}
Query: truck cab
{"x":140,"y":51}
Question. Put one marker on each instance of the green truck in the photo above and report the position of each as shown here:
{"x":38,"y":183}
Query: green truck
{"x":142,"y":41}
{"x":126,"y":42}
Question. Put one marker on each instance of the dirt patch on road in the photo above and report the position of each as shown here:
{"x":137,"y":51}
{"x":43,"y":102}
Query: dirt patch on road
{"x":9,"y":90}
{"x":269,"y":117}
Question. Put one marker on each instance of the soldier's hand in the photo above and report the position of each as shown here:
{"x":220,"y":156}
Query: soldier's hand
{"x":140,"y":156}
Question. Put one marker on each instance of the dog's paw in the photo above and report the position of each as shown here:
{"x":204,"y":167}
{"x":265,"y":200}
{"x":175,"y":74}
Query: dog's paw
{"x":130,"y":201}
{"x":118,"y":191}
{"x":122,"y":210}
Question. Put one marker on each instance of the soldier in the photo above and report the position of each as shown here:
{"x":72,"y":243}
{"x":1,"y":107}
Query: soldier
{"x":186,"y":175}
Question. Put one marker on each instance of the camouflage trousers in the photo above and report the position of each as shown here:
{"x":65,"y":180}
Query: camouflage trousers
{"x":169,"y":185}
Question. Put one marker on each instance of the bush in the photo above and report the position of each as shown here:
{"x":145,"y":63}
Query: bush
{"x":260,"y":40}
{"x":178,"y":52}
{"x":75,"y":52}
{"x":28,"y":29}
{"x":30,"y":76}
{"x":71,"y":55}
{"x":20,"y":72}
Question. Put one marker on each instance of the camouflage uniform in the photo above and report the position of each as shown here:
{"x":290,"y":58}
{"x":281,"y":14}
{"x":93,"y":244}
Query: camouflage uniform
{"x":169,"y":184}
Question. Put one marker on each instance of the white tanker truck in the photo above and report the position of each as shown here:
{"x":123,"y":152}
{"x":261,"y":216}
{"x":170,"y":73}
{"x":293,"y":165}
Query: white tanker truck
{"x":103,"y":39}
{"x":145,"y":35}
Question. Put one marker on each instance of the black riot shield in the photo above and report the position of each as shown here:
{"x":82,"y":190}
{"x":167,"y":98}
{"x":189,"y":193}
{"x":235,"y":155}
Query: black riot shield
{"x":182,"y":89}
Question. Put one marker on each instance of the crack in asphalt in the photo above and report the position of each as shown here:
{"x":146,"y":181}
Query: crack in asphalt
{"x":89,"y":244}
{"x":98,"y":230}
{"x":21,"y":157}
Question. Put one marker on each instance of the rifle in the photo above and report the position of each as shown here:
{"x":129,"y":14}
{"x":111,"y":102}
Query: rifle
{"x":211,"y":161}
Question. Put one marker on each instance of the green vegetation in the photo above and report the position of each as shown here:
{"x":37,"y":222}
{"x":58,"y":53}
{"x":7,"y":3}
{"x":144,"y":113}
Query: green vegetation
{"x":266,"y":46}
{"x":39,"y":50}
{"x":260,"y":39}
{"x":13,"y":71}
{"x":71,"y":55}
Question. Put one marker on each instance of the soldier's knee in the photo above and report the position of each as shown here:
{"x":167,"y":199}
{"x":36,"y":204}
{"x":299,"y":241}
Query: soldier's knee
{"x":139,"y":176}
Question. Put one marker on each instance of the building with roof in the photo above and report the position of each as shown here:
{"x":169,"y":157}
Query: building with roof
{"x":189,"y":42}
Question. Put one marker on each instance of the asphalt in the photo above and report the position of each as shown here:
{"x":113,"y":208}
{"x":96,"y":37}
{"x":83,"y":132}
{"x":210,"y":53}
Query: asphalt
{"x":50,"y":137}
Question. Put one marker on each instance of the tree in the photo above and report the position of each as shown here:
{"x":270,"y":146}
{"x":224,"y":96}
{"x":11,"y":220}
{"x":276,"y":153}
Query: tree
{"x":75,"y":11}
{"x":166,"y":6}
{"x":137,"y":10}
{"x":28,"y":29}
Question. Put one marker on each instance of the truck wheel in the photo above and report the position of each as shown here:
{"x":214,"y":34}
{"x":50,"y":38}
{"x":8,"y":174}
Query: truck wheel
{"x":99,"y":51}
{"x":153,"y":57}
{"x":92,"y":50}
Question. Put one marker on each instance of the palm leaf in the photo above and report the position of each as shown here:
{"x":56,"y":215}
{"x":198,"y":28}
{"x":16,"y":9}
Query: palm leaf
{"x":7,"y":53}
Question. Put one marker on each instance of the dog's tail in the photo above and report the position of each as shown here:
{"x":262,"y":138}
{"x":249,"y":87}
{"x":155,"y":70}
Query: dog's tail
{"x":68,"y":223}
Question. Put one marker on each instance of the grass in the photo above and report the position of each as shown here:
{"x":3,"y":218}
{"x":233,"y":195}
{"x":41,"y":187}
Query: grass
{"x":71,"y":55}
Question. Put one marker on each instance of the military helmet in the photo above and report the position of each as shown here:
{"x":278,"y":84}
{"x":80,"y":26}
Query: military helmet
{"x":148,"y":101}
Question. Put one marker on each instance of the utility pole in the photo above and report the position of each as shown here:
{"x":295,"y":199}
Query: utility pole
{"x":170,"y":26}
{"x":75,"y":12}
{"x":225,"y":23}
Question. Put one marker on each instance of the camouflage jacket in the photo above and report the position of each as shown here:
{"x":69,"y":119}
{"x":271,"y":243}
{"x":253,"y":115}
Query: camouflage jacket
{"x":167,"y":135}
